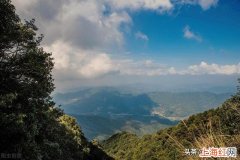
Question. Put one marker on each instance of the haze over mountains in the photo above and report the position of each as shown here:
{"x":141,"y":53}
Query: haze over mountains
{"x":119,"y":109}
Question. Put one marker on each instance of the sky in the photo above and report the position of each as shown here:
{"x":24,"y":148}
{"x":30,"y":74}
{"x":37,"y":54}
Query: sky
{"x":150,"y":42}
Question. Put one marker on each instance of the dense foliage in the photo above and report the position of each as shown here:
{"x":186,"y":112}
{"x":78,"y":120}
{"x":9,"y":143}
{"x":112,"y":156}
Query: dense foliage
{"x":30,"y":123}
{"x":214,"y":128}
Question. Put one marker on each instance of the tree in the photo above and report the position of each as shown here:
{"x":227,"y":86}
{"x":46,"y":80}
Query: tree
{"x":30,"y":123}
{"x":26,"y":84}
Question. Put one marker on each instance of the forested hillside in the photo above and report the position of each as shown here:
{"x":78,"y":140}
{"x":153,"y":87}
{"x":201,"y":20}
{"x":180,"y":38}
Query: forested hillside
{"x":214,"y":128}
{"x":32,"y":127}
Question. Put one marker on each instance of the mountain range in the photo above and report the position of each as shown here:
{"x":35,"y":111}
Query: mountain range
{"x":213,"y":128}
{"x":141,"y":113}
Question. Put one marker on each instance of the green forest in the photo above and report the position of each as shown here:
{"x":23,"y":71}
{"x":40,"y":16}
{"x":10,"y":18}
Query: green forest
{"x":33,"y":127}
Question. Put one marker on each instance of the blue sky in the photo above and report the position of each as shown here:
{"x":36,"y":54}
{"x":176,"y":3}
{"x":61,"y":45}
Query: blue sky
{"x":119,"y":42}
{"x":219,"y":28}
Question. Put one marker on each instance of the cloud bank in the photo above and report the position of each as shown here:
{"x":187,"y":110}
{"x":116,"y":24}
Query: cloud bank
{"x":82,"y":34}
{"x":204,"y":4}
{"x":88,"y":64}
{"x":160,"y":5}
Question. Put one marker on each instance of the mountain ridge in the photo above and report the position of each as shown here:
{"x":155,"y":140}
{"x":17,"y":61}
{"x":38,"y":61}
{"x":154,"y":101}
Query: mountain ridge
{"x":213,"y":128}
{"x":142,"y":113}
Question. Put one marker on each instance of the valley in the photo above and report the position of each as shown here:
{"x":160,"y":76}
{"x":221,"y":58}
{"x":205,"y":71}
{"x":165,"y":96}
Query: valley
{"x":141,"y":113}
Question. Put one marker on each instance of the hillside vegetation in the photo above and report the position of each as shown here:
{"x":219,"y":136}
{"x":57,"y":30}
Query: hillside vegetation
{"x":218,"y":127}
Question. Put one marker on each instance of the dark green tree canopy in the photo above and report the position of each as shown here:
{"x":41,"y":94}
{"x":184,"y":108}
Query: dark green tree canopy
{"x":30,"y":123}
{"x":25,"y":83}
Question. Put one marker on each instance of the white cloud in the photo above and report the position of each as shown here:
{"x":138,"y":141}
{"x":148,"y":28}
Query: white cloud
{"x":204,"y":68}
{"x":61,"y":53}
{"x":78,"y":63}
{"x":141,"y":36}
{"x":21,"y":4}
{"x":143,"y":68}
{"x":148,"y":63}
{"x":79,"y":32}
{"x":81,"y":23}
{"x":150,"y":68}
{"x":98,"y":65}
{"x":161,"y":5}
{"x":206,"y":4}
{"x":85,"y":23}
{"x":187,"y":33}
{"x":74,"y":66}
